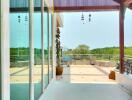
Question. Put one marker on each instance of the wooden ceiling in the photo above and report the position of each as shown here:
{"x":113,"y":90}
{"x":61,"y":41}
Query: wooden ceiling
{"x":72,"y":5}
{"x":88,"y":5}
{"x":85,"y":5}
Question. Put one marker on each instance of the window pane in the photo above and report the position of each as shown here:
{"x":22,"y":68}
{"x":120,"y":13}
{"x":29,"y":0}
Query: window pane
{"x":50,"y":47}
{"x":0,"y":54}
{"x":46,"y":78}
{"x":19,"y":56}
{"x":23,"y":3}
{"x":37,"y":55}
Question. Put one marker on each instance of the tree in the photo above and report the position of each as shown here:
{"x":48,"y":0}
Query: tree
{"x":81,"y":49}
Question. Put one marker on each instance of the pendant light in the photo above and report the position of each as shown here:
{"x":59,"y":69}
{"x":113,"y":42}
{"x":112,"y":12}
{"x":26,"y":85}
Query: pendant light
{"x":90,"y":17}
{"x":19,"y":18}
{"x":82,"y":18}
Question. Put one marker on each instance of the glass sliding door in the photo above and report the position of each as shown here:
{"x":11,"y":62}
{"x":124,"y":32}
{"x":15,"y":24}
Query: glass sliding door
{"x":50,"y":48}
{"x":37,"y":55}
{"x":46,"y":51}
{"x":0,"y":54}
{"x":0,"y":68}
{"x":19,"y":56}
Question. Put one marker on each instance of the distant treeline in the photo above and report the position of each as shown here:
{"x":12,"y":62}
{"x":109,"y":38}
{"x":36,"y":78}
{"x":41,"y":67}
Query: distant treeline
{"x":84,"y":49}
{"x":25,"y":51}
{"x":111,"y":50}
{"x":107,"y":50}
{"x":22,"y":54}
{"x":79,"y":50}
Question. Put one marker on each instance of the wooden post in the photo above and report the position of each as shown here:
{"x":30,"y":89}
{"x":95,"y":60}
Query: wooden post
{"x":121,"y":25}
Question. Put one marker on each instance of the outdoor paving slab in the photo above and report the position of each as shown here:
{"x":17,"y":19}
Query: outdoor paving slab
{"x":85,"y":82}
{"x":85,"y":74}
{"x":85,"y":91}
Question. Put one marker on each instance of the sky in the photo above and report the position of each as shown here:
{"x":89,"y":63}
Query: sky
{"x":102,"y":31}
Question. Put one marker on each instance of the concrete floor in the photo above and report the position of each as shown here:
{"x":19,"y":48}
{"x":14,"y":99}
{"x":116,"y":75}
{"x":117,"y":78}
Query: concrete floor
{"x":85,"y":83}
{"x":81,"y":91}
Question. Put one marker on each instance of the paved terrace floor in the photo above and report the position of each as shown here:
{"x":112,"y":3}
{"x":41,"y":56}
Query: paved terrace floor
{"x":86,"y":74}
{"x":85,"y":82}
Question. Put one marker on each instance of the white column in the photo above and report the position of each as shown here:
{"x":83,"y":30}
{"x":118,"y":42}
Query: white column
{"x":31,"y":46}
{"x":54,"y":44}
{"x":5,"y":59}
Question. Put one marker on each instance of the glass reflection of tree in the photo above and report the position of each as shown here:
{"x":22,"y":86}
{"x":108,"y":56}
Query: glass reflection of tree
{"x":19,"y":21}
{"x":22,"y":42}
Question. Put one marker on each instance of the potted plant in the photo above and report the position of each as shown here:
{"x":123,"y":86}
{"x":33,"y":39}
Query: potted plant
{"x":59,"y":68}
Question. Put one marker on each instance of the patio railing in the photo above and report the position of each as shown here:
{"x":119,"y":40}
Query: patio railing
{"x":98,"y":59}
{"x":128,"y":64}
{"x":89,"y":58}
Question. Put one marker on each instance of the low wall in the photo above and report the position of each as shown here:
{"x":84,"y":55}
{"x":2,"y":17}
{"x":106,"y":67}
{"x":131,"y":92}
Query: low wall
{"x":78,"y":62}
{"x":125,"y":81}
{"x":19,"y":63}
{"x":94,"y":62}
{"x":105,"y":63}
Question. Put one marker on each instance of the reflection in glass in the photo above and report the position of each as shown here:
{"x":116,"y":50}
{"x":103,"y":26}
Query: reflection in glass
{"x":46,"y":70}
{"x":50,"y":48}
{"x":0,"y":60}
{"x":37,"y":56}
{"x":19,"y":56}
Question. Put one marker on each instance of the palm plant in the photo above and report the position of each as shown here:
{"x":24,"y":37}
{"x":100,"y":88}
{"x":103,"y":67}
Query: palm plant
{"x":59,"y":69}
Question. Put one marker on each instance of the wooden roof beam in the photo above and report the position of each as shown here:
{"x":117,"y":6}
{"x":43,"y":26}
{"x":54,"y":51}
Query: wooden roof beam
{"x":127,"y":2}
{"x":87,"y":8}
{"x":130,"y":6}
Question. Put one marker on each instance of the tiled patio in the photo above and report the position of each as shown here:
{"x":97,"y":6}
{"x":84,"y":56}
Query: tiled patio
{"x":86,"y":74}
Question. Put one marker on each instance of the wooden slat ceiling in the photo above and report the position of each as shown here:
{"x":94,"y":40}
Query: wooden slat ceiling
{"x":72,"y":5}
{"x":78,"y":5}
